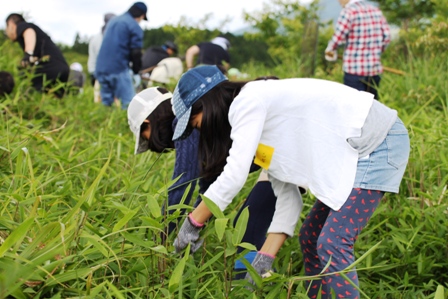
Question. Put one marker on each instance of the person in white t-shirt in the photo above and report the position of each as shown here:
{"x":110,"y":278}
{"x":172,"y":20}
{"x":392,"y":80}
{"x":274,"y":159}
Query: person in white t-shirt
{"x":335,"y":141}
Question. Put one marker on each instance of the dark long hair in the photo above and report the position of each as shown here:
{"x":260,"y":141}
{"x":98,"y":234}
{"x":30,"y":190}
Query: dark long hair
{"x":215,"y":141}
{"x":161,"y":123}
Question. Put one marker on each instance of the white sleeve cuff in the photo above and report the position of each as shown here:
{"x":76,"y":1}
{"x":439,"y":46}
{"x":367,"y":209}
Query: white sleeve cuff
{"x":287,"y":209}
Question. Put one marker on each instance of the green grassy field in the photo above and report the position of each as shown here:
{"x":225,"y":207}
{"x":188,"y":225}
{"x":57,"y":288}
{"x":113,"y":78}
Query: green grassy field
{"x":80,"y":215}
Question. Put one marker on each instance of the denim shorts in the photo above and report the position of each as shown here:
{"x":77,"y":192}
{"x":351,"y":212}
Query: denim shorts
{"x":383,"y":169}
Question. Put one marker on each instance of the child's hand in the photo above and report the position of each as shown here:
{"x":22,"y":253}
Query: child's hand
{"x":188,"y":234}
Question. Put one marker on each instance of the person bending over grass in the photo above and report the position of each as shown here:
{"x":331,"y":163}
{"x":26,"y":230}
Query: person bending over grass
{"x":40,"y":55}
{"x":152,"y":121}
{"x":339,"y":143}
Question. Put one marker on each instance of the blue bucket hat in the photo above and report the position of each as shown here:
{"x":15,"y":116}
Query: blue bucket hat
{"x":193,"y":84}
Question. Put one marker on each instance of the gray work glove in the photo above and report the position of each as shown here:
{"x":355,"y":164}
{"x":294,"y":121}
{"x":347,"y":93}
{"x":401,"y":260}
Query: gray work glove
{"x":262,"y":263}
{"x":188,"y":234}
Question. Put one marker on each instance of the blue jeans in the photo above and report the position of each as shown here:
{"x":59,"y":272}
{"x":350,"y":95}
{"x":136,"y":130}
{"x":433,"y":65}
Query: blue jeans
{"x":363,"y":83}
{"x":383,"y":169}
{"x":116,"y":86}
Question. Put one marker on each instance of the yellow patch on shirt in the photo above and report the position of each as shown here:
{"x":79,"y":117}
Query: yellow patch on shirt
{"x":263,"y":156}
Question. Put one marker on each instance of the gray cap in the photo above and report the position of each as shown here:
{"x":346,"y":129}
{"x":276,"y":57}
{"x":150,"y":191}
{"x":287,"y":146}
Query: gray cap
{"x":108,"y":16}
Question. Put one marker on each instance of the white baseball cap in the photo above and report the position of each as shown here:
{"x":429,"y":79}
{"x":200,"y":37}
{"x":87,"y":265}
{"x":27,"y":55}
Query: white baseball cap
{"x":141,"y":106}
{"x":76,"y":66}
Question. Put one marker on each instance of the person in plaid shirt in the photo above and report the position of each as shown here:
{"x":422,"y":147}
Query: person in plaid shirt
{"x":365,"y":33}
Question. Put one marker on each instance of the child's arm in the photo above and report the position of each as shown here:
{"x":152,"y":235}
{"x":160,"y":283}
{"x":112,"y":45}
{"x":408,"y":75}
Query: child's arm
{"x":273,"y":243}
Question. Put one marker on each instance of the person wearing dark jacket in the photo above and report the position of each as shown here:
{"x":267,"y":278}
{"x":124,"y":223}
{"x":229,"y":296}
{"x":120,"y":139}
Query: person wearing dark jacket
{"x":153,"y":55}
{"x":40,"y":54}
{"x":122,"y":45}
{"x":214,"y":52}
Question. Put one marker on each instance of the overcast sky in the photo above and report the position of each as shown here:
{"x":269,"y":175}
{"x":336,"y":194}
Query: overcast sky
{"x":61,"y":19}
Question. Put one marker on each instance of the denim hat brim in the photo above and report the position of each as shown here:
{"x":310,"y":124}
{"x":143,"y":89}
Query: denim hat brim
{"x":182,"y":124}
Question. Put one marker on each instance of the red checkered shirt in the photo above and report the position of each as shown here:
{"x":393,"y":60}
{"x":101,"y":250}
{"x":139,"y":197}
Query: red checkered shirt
{"x":364,"y":30}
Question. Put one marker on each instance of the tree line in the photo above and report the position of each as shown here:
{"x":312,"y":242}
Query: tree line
{"x":243,"y":50}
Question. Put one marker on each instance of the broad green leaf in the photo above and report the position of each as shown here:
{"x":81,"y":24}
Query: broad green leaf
{"x":256,"y":278}
{"x":398,"y":241}
{"x":240,"y":227}
{"x":153,"y":206}
{"x":68,"y":275}
{"x":96,"y":242}
{"x":115,"y":291}
{"x":214,"y":209}
{"x":94,"y":292}
{"x":220,"y":227}
{"x":212,"y":260}
{"x":17,"y":235}
{"x":440,"y":292}
{"x":18,"y":294}
{"x":159,"y":249}
{"x":46,"y":234}
{"x":124,"y":220}
{"x":184,"y":196}
{"x":247,"y":246}
{"x":137,"y":240}
{"x":230,"y":251}
{"x":117,"y":204}
{"x":176,"y":276}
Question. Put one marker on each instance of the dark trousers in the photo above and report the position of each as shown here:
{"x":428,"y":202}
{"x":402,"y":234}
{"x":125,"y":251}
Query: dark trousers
{"x":363,"y":83}
{"x":92,"y":79}
{"x":51,"y":79}
{"x":261,"y":202}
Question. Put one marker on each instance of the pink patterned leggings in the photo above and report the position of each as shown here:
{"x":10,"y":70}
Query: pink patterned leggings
{"x":331,"y":234}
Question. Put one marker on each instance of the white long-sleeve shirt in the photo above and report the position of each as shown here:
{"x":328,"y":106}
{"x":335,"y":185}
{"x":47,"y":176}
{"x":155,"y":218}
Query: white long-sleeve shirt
{"x":94,"y":49}
{"x":297,"y":129}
